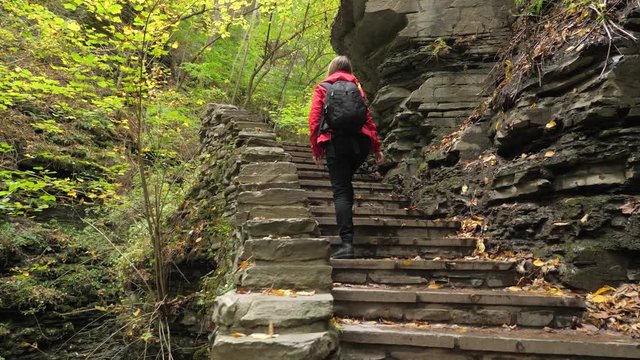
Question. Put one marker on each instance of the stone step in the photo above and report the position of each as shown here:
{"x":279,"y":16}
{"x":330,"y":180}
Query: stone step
{"x":252,"y":312}
{"x":390,"y":222}
{"x":406,"y":241}
{"x":369,"y":226}
{"x":302,"y":158}
{"x":409,"y":247}
{"x":312,"y":167}
{"x":252,"y":125}
{"x":288,"y":146}
{"x":302,"y":167}
{"x":382,"y":342}
{"x":306,"y":159}
{"x":458,"y":306}
{"x":306,"y":346}
{"x":357,"y":185}
{"x":325,"y":211}
{"x":316,"y":174}
{"x":447,"y":273}
{"x":325,"y":198}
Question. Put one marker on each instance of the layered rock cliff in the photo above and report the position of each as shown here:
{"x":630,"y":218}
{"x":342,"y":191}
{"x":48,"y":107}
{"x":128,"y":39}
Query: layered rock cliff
{"x":530,"y":121}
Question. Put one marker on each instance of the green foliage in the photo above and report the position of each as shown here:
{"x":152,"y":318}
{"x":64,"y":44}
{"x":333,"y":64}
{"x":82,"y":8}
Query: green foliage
{"x":53,"y":267}
{"x":292,"y":119}
{"x":101,"y":94}
{"x":534,"y":7}
{"x":439,"y":47}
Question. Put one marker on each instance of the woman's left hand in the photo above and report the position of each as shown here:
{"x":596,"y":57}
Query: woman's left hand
{"x":318,"y":160}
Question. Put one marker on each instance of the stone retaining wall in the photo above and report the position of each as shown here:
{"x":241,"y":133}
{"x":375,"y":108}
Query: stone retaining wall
{"x":281,"y":268}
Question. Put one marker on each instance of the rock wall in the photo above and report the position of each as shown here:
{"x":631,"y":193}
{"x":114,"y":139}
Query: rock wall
{"x":425,"y":70}
{"x":552,"y":165}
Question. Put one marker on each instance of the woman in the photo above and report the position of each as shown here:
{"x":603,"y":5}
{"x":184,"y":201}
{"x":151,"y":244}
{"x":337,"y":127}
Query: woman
{"x":345,"y":151}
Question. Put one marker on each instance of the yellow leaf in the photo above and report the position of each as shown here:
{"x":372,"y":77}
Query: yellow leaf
{"x":551,"y":124}
{"x":100,"y":308}
{"x":600,"y":299}
{"x":238,"y":334}
{"x":175,"y":45}
{"x":603,"y":290}
{"x":480,"y":248}
{"x":406,"y":262}
{"x":306,"y":293}
{"x":73,"y":26}
{"x":538,"y":263}
{"x":555,"y":291}
{"x":465,"y":188}
{"x":136,"y":313}
{"x":434,"y":286}
{"x":550,"y":154}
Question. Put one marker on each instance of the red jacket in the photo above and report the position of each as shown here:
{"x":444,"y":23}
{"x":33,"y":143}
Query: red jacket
{"x":317,"y":105}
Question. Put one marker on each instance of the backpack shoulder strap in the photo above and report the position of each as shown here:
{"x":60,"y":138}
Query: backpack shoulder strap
{"x":326,"y":85}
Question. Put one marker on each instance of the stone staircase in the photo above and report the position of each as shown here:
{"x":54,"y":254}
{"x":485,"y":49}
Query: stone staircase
{"x":411,"y":294}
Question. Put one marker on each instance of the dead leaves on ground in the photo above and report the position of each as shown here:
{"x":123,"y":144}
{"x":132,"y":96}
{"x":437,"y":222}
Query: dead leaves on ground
{"x":288,"y":292}
{"x":615,"y":309}
{"x":631,"y":207}
{"x":415,"y":324}
{"x":541,"y":286}
{"x":271,"y":333}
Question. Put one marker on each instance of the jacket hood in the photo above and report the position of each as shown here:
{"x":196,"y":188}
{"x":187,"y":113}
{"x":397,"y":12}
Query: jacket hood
{"x":340,"y":76}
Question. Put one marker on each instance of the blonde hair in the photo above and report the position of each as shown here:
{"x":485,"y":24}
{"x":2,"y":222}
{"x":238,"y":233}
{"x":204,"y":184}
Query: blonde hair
{"x":340,"y":63}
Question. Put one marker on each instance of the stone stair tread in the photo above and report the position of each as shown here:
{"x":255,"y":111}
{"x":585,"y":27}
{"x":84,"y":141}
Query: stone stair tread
{"x":366,"y":211}
{"x":356,"y":184}
{"x":495,"y":340}
{"x":312,"y":167}
{"x":289,"y":346}
{"x":405,"y":241}
{"x":358,"y":197}
{"x":315,"y":173}
{"x":287,"y":312}
{"x":388,"y":222}
{"x":391,"y":264}
{"x":423,"y":294}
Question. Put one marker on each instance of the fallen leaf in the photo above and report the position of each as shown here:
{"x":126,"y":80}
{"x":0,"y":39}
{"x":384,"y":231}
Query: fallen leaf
{"x":599,"y":299}
{"x":480,"y":247}
{"x":237,"y":334}
{"x":306,"y":293}
{"x":603,"y":290}
{"x":551,"y":124}
{"x":550,"y":154}
{"x":538,"y":263}
{"x":584,"y":219}
{"x":271,"y":328}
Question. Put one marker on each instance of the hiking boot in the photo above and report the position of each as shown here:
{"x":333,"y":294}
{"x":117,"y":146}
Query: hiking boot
{"x":344,"y":252}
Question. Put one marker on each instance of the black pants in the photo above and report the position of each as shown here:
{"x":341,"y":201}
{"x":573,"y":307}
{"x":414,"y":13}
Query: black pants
{"x":344,"y":156}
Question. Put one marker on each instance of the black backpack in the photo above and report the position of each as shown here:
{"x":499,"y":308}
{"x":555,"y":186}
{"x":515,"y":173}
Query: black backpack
{"x":345,"y":110}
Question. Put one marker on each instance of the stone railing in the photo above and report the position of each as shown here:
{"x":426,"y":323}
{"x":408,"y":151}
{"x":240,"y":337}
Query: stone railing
{"x":282,"y":306}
